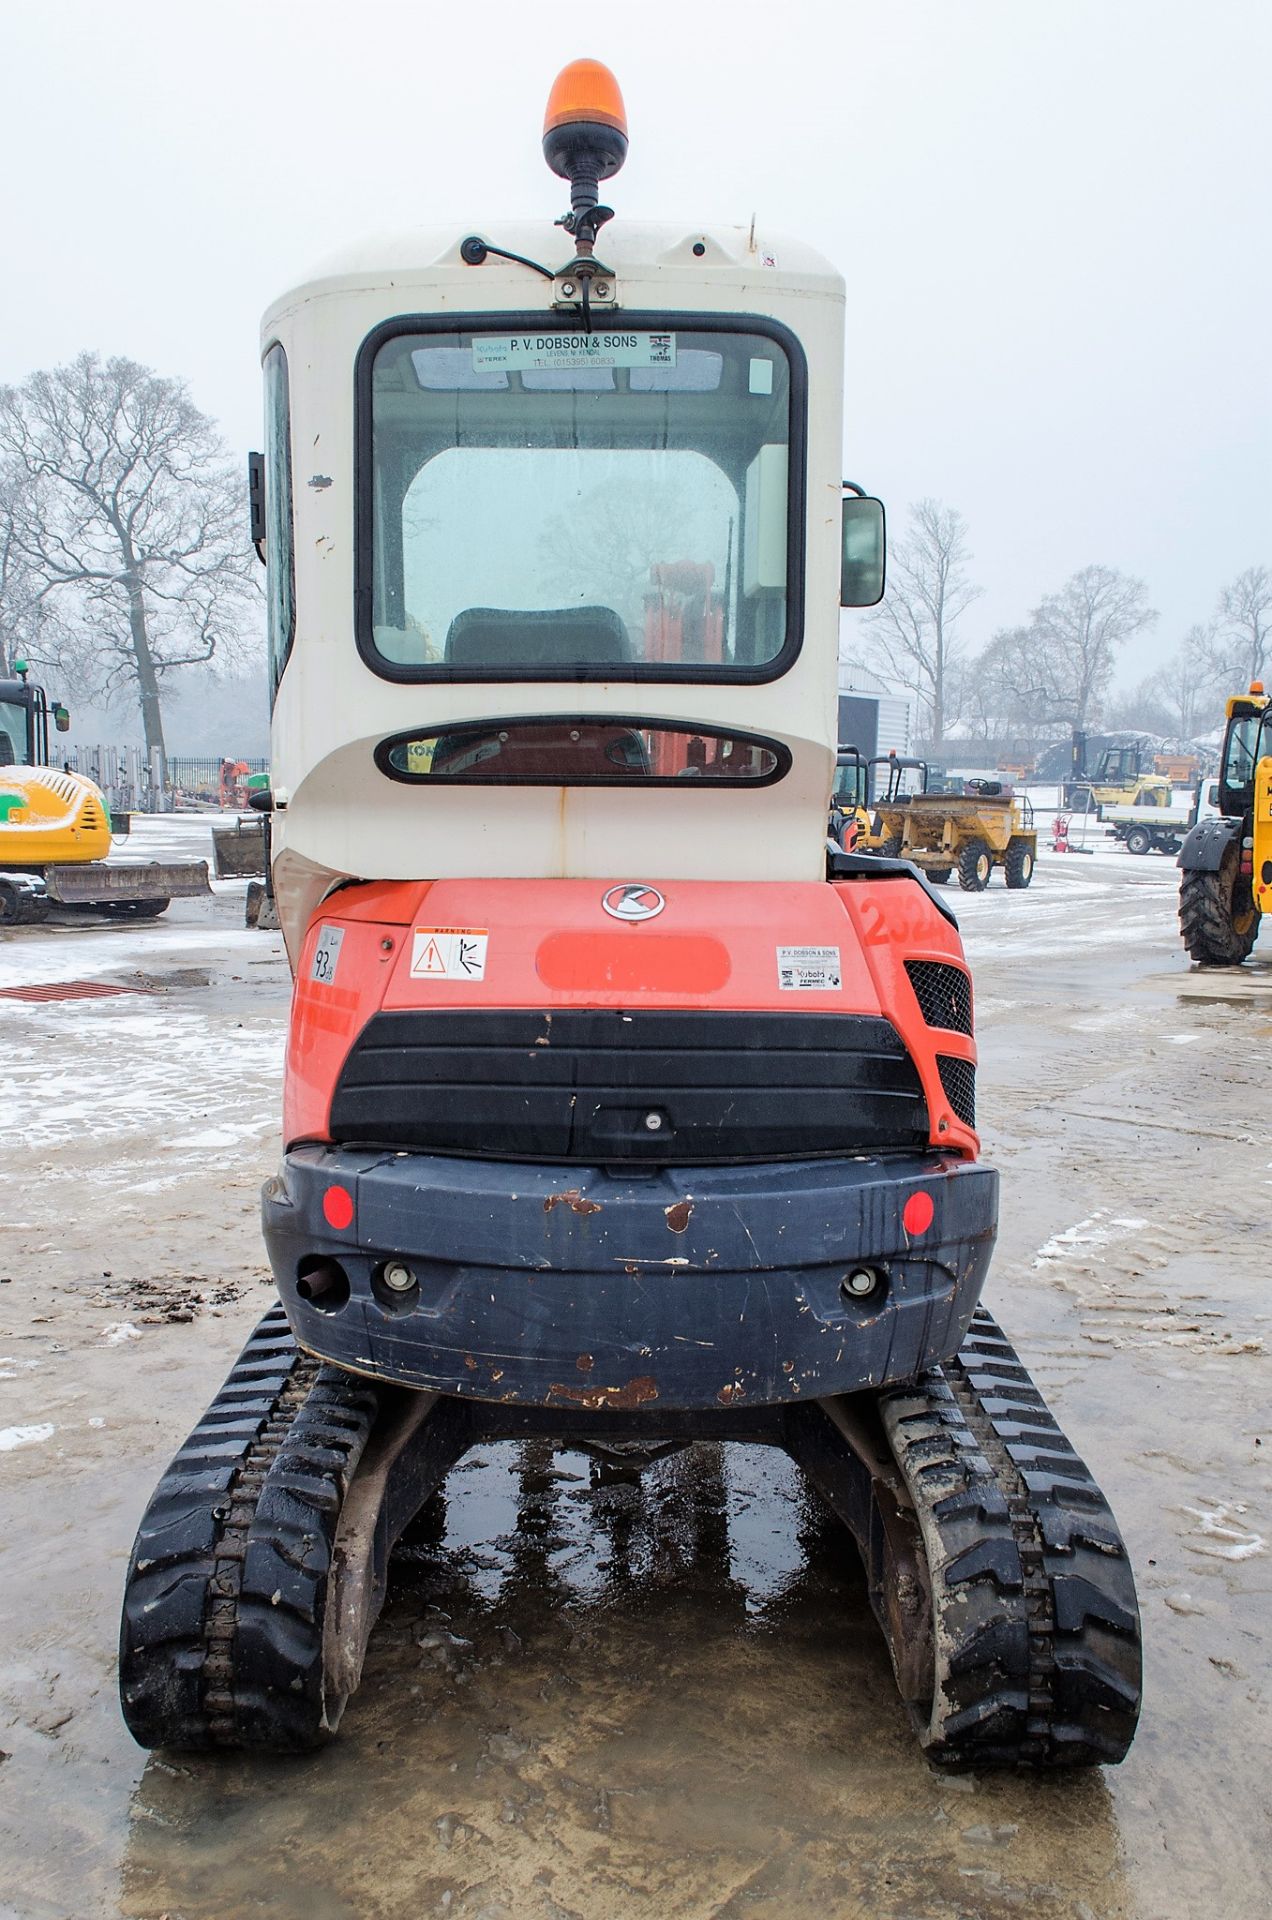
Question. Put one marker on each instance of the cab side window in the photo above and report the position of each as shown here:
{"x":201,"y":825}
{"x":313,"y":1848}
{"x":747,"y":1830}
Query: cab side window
{"x":280,"y":565}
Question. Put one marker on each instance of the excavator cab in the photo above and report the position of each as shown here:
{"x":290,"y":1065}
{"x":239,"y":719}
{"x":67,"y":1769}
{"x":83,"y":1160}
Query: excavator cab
{"x":25,"y":712}
{"x":849,"y":823}
{"x":617,"y":1107}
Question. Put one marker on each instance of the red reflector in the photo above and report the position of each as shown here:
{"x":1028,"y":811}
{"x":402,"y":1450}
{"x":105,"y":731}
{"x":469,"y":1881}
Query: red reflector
{"x":917,"y":1214}
{"x":337,"y":1208}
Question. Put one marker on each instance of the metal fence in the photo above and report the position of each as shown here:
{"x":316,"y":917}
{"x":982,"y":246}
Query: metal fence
{"x":136,"y":782}
{"x":198,"y":776}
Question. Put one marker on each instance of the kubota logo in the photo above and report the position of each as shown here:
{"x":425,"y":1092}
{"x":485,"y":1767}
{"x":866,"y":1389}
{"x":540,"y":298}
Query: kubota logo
{"x":633,"y":903}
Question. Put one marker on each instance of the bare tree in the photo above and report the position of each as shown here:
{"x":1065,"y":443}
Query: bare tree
{"x":19,"y":591}
{"x":1075,"y":635}
{"x":1243,"y":629}
{"x":1188,"y":686}
{"x":124,"y":527}
{"x":928,"y":592}
{"x":1010,"y":692}
{"x":1141,"y":709}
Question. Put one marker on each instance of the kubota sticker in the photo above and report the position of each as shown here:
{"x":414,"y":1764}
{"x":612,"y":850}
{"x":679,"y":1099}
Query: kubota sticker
{"x":449,"y":953}
{"x":808,"y":969}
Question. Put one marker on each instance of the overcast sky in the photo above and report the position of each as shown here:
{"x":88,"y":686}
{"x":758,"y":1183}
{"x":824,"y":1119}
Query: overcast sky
{"x":1052,"y":218}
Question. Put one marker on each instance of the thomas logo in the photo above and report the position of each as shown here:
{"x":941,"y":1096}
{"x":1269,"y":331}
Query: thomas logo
{"x":633,"y":902}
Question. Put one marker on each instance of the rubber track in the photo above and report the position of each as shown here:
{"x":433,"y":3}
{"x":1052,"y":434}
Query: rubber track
{"x":1037,"y":1643}
{"x":1206,"y":923}
{"x":221,"y":1640}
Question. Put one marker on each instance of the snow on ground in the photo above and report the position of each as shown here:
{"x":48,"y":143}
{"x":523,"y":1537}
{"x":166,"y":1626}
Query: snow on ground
{"x":136,"y":1091}
{"x":200,"y":1071}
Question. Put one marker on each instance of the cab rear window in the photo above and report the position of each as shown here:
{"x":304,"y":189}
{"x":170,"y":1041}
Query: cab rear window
{"x":537,"y":504}
{"x":582,"y":750}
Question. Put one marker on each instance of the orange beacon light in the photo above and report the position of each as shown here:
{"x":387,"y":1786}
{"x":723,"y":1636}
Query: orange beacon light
{"x":585,"y":126}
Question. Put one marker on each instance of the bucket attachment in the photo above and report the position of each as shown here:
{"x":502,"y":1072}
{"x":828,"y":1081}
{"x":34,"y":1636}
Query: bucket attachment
{"x":239,"y":850}
{"x":151,"y":884}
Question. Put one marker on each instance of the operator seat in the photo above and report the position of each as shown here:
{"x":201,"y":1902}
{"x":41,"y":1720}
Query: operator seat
{"x":543,"y":637}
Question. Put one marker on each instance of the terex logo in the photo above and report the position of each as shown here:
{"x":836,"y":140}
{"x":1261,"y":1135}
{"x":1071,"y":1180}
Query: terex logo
{"x":633,"y":902}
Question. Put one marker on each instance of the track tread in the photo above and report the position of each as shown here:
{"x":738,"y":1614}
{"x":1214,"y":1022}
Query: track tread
{"x":221,"y":1639}
{"x":1036,"y":1622}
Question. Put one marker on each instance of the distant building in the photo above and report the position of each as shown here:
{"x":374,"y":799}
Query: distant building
{"x":872,"y":716}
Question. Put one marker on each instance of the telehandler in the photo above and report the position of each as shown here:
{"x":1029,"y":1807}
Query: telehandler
{"x":1227,"y":860}
{"x":617,"y":1110}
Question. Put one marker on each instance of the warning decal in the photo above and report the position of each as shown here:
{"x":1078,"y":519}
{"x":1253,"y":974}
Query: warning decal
{"x":449,"y":953}
{"x":808,"y":969}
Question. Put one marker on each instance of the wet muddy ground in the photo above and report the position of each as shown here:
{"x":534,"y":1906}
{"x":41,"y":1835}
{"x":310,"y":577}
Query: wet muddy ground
{"x":598,"y":1694}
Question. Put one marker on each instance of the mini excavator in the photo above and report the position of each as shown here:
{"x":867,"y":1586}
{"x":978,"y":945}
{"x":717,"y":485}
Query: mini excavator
{"x":619,"y":1109}
{"x":56,"y":829}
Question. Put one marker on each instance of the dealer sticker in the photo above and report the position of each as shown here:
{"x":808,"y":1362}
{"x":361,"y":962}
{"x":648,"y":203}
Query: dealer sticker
{"x":449,"y":953}
{"x":544,"y":352}
{"x":327,"y":955}
{"x":808,"y":969}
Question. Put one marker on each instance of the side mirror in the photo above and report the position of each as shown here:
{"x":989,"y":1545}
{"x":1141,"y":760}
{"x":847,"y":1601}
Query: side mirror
{"x":61,"y":717}
{"x":862,"y":557}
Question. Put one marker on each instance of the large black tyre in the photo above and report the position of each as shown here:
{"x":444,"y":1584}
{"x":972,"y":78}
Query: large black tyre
{"x":975,"y":864}
{"x":1216,"y":931}
{"x":939,"y":876}
{"x":1018,"y":863}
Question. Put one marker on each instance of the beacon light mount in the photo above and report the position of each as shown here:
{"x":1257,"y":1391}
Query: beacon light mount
{"x":585,"y":142}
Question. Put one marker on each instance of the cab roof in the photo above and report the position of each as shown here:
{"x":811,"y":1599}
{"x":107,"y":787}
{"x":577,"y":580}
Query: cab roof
{"x":740,"y":256}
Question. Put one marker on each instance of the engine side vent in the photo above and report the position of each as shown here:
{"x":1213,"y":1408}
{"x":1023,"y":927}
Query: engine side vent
{"x":958,"y":1082}
{"x":944,"y":994}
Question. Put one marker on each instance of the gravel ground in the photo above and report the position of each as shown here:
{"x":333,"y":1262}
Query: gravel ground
{"x":592,"y":1695}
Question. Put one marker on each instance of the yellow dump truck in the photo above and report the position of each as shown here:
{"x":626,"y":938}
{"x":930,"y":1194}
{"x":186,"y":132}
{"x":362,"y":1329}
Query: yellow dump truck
{"x":969,"y":833}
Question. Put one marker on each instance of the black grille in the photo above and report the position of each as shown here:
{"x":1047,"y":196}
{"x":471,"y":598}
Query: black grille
{"x":944,"y":994}
{"x":958,"y":1081}
{"x":586,"y":1086}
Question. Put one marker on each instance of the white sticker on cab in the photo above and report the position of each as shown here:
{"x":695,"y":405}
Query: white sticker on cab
{"x":449,"y":953}
{"x":566,"y":352}
{"x":808,"y":969}
{"x":327,"y":955}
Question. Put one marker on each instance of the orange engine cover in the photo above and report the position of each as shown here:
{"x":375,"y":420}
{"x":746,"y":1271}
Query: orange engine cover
{"x":714,"y":946}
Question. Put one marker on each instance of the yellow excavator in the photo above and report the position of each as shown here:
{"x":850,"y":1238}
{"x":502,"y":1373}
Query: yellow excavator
{"x":55,"y":827}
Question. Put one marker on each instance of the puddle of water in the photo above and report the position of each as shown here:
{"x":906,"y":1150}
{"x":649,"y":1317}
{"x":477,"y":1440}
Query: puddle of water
{"x":599,"y":1692}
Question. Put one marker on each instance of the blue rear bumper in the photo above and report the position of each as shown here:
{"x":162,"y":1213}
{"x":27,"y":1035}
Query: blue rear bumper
{"x":682,"y":1288}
